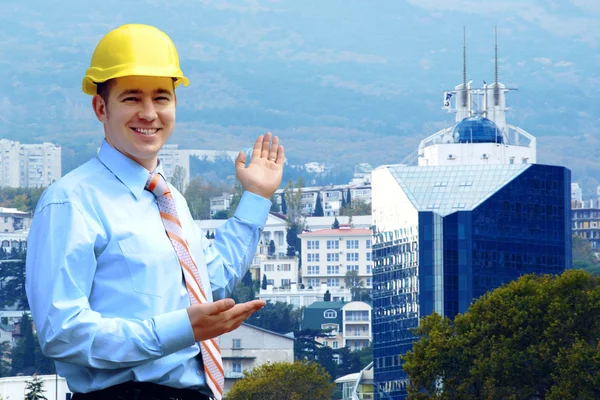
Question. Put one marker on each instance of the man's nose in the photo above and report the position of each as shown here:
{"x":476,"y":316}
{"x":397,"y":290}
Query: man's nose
{"x":148,"y":112}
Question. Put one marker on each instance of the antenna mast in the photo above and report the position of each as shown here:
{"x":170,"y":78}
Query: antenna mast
{"x":464,"y":91}
{"x":496,"y":88}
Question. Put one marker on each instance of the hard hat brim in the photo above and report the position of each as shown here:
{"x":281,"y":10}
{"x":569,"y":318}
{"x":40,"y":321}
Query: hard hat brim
{"x":95,"y":76}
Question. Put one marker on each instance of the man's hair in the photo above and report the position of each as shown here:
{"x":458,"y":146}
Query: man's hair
{"x":103,"y":89}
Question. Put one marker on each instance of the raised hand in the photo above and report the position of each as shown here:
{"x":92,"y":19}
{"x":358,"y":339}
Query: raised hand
{"x":263,"y":174}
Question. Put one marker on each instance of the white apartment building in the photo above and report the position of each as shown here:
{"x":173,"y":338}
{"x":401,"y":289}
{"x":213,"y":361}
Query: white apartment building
{"x":29,"y":165}
{"x":248,"y":347}
{"x":356,"y":321}
{"x":13,"y":220}
{"x":171,"y":156}
{"x":303,"y":296}
{"x":329,"y":253}
{"x":221,"y":203}
{"x":281,"y":272}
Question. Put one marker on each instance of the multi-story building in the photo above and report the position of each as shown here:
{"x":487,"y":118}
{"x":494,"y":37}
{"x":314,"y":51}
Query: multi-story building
{"x":303,"y":296}
{"x":358,"y":385}
{"x":248,"y":347}
{"x":347,"y":324}
{"x":171,"y":157}
{"x":585,"y":217}
{"x":576,"y":193}
{"x":29,"y":165}
{"x":13,"y":220}
{"x":328,"y":254}
{"x":473,"y":215}
{"x":280,"y":272}
{"x":220,"y":203}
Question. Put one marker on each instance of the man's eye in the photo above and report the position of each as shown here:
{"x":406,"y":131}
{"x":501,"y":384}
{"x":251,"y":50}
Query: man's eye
{"x":162,"y":98}
{"x":130,"y":99}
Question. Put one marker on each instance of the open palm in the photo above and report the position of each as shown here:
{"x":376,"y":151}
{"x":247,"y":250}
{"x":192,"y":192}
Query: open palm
{"x":263,"y":174}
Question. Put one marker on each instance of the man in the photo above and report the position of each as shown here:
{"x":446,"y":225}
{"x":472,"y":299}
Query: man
{"x":120,"y":279}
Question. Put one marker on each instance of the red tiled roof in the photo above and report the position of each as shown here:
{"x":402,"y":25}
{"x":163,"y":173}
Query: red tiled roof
{"x":338,"y":232}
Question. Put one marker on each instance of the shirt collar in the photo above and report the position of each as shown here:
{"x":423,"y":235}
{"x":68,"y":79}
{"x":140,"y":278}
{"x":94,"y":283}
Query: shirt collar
{"x":128,"y":171}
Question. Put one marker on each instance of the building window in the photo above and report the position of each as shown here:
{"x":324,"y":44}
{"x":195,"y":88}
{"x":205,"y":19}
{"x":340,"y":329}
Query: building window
{"x":352,"y":244}
{"x":369,"y":282}
{"x":236,"y":344}
{"x":314,"y":282}
{"x":332,"y":257}
{"x":284,"y":267}
{"x":286,"y":282}
{"x":369,"y":269}
{"x":333,"y":282}
{"x":351,"y":268}
{"x":368,"y":243}
{"x":335,"y":344}
{"x":313,"y":270}
{"x":312,"y":257}
{"x":333,"y":244}
{"x":269,"y":267}
{"x":271,"y":282}
{"x":312,"y":245}
{"x":236,"y":366}
{"x":333,"y":269}
{"x":330,"y":314}
{"x":351,"y":256}
{"x":368,"y":256}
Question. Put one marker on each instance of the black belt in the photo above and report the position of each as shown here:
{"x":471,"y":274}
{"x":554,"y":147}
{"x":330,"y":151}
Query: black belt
{"x":141,"y":391}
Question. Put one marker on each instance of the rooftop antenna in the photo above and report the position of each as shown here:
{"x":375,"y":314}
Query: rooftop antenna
{"x":464,"y":91}
{"x":496,"y":88}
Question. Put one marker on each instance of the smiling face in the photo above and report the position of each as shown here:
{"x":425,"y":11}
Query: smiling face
{"x":138,"y":116}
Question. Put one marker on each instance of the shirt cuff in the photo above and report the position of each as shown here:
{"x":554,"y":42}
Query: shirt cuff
{"x":253,"y":209}
{"x":174,"y":331}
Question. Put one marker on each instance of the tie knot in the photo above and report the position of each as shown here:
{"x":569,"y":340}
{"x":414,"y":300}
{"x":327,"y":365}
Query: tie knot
{"x":157,"y":185}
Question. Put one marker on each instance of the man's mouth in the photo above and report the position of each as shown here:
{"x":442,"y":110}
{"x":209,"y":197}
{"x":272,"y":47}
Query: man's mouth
{"x":146,"y":131}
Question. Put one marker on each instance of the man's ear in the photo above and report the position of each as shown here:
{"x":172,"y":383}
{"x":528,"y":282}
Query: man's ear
{"x":100,"y":108}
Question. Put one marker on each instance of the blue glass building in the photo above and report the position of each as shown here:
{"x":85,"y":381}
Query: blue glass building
{"x":444,"y":235}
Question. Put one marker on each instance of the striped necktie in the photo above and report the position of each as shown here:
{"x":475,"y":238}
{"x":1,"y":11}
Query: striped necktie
{"x":211,"y":354}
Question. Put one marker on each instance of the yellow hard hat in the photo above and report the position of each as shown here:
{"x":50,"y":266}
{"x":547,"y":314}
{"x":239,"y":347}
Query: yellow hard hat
{"x":133,"y":49}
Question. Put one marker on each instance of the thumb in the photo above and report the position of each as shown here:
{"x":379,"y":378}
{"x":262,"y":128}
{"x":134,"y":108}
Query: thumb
{"x":240,"y":161}
{"x":221,"y":305}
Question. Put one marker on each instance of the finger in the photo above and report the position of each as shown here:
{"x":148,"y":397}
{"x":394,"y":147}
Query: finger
{"x":221,"y":306}
{"x":280,"y":155}
{"x":266,"y":144}
{"x":274,"y":147}
{"x":240,"y":161}
{"x":257,"y":147}
{"x":244,"y":310}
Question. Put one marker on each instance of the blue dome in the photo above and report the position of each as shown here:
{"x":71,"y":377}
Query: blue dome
{"x":476,"y":130}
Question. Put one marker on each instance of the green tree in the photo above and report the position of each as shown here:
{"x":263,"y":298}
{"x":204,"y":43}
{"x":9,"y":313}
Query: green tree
{"x":277,"y":317}
{"x":583,"y":255}
{"x":35,"y":389}
{"x":283,"y":381}
{"x":318,"y":206}
{"x":530,"y":339}
{"x":348,"y":198}
{"x":12,"y":282}
{"x":306,"y":344}
{"x":336,"y":224}
{"x":350,"y":362}
{"x":198,"y":194}
{"x":358,"y":207}
{"x":244,"y":290}
{"x":5,"y":367}
{"x":327,"y":296}
{"x":325,"y":358}
{"x":271,"y":248}
{"x":223,"y":214}
{"x":274,"y":203}
{"x":178,"y":178}
{"x":263,"y":285}
{"x":283,"y":205}
{"x":354,"y":283}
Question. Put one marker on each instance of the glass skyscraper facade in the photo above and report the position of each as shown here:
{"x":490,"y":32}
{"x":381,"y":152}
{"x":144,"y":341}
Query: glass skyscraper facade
{"x":449,"y":234}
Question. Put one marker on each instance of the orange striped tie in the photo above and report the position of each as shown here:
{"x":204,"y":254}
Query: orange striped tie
{"x":211,"y":354}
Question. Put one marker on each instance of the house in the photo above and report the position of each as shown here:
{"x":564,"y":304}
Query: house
{"x":248,"y":347}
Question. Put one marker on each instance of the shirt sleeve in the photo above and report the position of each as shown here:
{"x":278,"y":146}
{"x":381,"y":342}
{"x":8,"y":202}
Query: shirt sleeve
{"x":234,"y":246}
{"x":60,"y":268}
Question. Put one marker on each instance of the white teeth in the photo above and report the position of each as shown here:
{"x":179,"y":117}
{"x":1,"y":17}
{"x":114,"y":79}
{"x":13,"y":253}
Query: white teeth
{"x":146,"y":131}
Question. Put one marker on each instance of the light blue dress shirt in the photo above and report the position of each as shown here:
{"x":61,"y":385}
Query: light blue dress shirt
{"x":104,"y":284}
